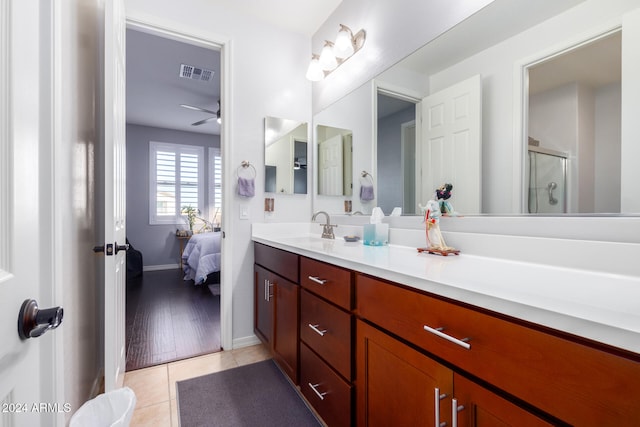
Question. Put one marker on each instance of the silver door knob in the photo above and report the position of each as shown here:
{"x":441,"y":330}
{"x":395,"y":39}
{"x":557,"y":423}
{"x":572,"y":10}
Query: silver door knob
{"x":33,"y":322}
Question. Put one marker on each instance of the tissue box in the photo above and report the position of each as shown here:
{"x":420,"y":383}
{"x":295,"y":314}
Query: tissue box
{"x":376,"y":234}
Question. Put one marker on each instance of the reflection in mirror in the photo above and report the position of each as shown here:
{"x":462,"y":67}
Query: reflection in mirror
{"x":396,"y":154}
{"x":574,"y":130}
{"x":285,"y":156}
{"x":335,"y":173}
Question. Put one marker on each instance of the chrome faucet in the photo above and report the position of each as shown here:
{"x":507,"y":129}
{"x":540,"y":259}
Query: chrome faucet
{"x":327,"y":229}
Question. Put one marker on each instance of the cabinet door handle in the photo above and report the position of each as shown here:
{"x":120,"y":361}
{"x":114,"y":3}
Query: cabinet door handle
{"x":269,"y":294}
{"x":315,"y":390}
{"x":318,"y":280}
{"x":438,"y":398}
{"x":438,"y":332}
{"x":454,"y":412}
{"x":318,"y":331}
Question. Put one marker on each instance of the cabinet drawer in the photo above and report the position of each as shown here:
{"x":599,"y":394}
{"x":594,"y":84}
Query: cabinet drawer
{"x":282,"y":262}
{"x":576,"y":383}
{"x":330,"y":282}
{"x":327,"y":330}
{"x":329,"y":394}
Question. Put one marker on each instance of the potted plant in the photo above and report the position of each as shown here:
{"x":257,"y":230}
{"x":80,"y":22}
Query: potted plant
{"x":191,"y":213}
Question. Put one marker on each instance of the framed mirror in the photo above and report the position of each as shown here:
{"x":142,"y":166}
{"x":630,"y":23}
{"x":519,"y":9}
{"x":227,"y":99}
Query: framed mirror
{"x":285,"y":156}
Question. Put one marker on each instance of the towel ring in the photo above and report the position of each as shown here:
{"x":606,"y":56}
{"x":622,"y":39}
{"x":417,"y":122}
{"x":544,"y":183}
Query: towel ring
{"x":246,"y":165}
{"x":366,"y":174}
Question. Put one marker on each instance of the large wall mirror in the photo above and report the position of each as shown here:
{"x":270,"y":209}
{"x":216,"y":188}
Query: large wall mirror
{"x":533,"y":68}
{"x":285,"y":156}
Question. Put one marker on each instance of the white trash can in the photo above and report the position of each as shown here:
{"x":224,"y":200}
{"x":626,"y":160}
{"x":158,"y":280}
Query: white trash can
{"x":112,"y":409}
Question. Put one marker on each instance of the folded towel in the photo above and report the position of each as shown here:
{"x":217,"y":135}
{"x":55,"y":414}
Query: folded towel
{"x":366,"y":193}
{"x":246,"y":187}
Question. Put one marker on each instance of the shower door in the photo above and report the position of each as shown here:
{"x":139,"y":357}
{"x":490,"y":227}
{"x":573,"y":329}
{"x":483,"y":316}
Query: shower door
{"x":547,"y":182}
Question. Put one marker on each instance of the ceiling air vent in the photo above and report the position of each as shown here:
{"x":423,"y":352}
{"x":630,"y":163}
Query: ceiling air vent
{"x":195,"y":73}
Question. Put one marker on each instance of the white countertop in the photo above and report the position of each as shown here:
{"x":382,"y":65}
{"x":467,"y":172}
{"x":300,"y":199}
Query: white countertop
{"x":603,"y":307}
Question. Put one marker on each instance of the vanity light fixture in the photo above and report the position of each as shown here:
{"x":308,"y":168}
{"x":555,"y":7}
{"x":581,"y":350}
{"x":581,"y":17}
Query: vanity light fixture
{"x":334,"y":54}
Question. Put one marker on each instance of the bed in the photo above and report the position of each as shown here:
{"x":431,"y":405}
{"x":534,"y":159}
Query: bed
{"x":201,"y":256}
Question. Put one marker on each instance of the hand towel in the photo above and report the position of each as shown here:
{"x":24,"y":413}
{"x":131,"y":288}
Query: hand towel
{"x":366,"y":192}
{"x":246,"y":187}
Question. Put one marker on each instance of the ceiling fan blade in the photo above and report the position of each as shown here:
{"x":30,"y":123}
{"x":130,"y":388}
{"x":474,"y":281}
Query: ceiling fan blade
{"x":201,"y":122}
{"x":191,"y":107}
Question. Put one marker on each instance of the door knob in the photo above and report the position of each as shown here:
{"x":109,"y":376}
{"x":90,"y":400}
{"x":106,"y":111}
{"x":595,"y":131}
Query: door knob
{"x":120,"y":247}
{"x":33,"y":322}
{"x":109,"y":248}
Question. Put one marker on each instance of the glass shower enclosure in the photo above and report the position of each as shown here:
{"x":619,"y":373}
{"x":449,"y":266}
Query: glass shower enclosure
{"x":547,"y":181}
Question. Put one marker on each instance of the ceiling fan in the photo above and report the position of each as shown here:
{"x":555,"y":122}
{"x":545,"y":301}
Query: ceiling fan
{"x":216,"y":114}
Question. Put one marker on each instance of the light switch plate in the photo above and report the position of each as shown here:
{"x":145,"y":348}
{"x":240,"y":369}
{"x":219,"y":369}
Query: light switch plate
{"x":244,"y":212}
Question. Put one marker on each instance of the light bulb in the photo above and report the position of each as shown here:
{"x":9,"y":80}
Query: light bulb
{"x":327,"y":59}
{"x":314,"y":72}
{"x":344,"y":43}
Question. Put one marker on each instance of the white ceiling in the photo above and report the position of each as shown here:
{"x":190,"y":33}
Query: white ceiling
{"x":154,"y":89}
{"x":300,"y":16}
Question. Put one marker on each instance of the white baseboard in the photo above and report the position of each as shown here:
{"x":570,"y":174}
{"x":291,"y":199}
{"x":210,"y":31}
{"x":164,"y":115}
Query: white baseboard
{"x":245,"y":342}
{"x":161,"y":267}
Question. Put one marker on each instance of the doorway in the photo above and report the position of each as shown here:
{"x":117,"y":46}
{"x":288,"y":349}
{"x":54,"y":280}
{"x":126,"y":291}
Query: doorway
{"x":396,"y":153}
{"x":572,"y":108}
{"x":174,"y":160}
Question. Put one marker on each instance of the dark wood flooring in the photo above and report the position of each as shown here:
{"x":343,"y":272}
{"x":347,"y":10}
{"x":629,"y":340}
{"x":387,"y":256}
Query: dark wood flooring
{"x":169,"y":319}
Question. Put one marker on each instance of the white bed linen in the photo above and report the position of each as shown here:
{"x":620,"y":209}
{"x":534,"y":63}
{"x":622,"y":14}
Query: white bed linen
{"x":201,"y":256}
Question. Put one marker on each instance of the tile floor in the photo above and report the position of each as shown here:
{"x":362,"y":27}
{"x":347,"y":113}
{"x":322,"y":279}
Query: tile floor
{"x":155,"y":387}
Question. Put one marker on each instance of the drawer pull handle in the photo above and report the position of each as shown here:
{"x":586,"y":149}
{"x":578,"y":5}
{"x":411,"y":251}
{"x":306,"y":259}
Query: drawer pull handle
{"x":438,"y":332}
{"x":315,"y":390}
{"x":318,"y":331}
{"x":438,"y":398}
{"x":454,"y":412}
{"x":318,"y":280}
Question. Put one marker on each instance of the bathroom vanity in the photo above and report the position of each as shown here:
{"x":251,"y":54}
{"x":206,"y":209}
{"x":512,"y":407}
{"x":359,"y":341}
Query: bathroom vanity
{"x":387,"y":336}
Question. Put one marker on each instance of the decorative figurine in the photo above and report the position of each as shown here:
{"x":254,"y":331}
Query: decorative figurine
{"x":432,"y":212}
{"x":442,"y":196}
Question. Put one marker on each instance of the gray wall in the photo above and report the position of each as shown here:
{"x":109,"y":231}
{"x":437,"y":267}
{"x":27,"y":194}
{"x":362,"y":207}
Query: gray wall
{"x":157,"y":243}
{"x":390,"y":179}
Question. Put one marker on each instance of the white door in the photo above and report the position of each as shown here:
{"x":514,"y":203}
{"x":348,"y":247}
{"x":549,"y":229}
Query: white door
{"x":451,"y":146}
{"x":25,"y":376}
{"x":114,"y":194}
{"x":330,"y":164}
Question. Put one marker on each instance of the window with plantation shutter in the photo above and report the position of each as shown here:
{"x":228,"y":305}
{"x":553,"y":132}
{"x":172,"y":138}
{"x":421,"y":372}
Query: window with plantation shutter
{"x":176,"y":180}
{"x":215,"y":186}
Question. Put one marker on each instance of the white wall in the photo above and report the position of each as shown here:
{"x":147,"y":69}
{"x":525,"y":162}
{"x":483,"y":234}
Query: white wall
{"x":267,"y":67}
{"x":607,"y":148}
{"x":630,"y":172}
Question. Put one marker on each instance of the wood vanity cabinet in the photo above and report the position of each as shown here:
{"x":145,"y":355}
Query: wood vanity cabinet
{"x":326,"y":340}
{"x":496,"y":365}
{"x":397,"y":385}
{"x":276,"y":305}
{"x":371,"y":352}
